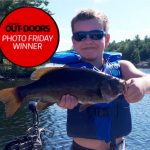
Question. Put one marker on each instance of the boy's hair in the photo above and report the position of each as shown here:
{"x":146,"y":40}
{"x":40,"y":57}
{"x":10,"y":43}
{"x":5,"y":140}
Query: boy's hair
{"x":87,"y":14}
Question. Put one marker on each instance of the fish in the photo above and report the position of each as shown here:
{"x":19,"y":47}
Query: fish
{"x":51,"y":83}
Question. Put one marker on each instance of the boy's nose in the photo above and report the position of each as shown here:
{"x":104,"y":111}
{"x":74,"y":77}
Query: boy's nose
{"x":88,"y":38}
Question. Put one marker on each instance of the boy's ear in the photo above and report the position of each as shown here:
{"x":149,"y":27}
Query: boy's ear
{"x":72,"y":41}
{"x":107,"y":39}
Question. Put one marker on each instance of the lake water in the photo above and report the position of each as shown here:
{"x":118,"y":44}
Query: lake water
{"x":54,"y":119}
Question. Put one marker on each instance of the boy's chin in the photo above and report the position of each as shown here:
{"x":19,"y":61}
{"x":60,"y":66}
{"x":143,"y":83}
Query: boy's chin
{"x":89,"y":58}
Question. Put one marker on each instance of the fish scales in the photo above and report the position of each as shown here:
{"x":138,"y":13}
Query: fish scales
{"x":81,"y":83}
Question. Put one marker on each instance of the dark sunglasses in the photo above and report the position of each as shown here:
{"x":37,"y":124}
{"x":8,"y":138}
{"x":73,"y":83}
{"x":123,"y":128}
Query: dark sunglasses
{"x":93,"y":35}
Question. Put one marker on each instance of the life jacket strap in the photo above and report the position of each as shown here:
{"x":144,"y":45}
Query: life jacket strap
{"x":113,"y":145}
{"x":119,"y":146}
{"x":102,"y":111}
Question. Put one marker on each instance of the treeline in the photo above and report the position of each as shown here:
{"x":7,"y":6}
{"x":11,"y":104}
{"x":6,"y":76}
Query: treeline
{"x":12,"y":71}
{"x":135,"y":50}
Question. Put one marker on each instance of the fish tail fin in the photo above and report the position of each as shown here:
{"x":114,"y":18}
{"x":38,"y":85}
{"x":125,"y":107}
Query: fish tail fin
{"x":9,"y":98}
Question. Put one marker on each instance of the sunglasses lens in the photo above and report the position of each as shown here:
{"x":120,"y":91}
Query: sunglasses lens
{"x":94,"y":35}
{"x":79,"y":36}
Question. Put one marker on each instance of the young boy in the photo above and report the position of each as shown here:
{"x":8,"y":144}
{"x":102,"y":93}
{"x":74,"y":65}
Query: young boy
{"x":90,"y":38}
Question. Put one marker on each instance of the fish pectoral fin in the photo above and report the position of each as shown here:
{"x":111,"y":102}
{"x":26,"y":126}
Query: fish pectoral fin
{"x":83,"y":107}
{"x":37,"y":74}
{"x":43,"y":105}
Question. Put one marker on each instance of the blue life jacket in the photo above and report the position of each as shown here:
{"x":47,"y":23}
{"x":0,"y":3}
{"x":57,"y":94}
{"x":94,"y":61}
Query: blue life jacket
{"x":103,"y":121}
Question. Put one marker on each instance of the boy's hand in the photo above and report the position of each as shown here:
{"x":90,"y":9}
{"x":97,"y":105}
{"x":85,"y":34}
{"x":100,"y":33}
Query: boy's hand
{"x":68,"y":102}
{"x":135,"y":90}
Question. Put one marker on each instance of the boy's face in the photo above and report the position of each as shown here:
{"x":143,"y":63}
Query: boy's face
{"x":88,"y":48}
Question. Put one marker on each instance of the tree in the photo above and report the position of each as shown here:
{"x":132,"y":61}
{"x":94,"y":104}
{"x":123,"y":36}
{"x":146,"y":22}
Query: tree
{"x":135,"y":56}
{"x":135,"y":50}
{"x":7,"y":6}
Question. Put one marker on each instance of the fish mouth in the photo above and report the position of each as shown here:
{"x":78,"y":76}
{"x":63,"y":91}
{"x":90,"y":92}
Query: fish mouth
{"x":123,"y":88}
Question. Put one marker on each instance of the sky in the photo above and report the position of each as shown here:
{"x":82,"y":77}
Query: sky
{"x":128,"y":18}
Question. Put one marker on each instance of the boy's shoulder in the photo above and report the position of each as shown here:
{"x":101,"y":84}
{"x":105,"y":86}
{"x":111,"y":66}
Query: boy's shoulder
{"x":129,"y":70}
{"x":126,"y":64}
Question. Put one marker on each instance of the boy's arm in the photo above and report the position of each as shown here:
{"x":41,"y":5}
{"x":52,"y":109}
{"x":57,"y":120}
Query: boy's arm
{"x":138,"y":83}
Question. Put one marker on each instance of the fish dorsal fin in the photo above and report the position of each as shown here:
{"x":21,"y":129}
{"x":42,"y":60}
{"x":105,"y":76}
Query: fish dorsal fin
{"x":37,"y":74}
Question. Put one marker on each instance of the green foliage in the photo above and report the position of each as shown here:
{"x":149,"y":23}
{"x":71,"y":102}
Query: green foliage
{"x":7,"y":6}
{"x":135,"y":50}
{"x":13,"y":71}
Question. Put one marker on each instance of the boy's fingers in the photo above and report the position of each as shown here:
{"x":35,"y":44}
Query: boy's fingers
{"x":68,"y":101}
{"x":62,"y":102}
{"x":128,"y":85}
{"x":73,"y":102}
{"x":129,"y":82}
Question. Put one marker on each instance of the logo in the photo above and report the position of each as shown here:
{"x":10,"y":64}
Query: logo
{"x":28,"y":36}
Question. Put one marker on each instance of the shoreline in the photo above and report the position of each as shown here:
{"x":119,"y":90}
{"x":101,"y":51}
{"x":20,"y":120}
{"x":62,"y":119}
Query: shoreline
{"x":143,"y":64}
